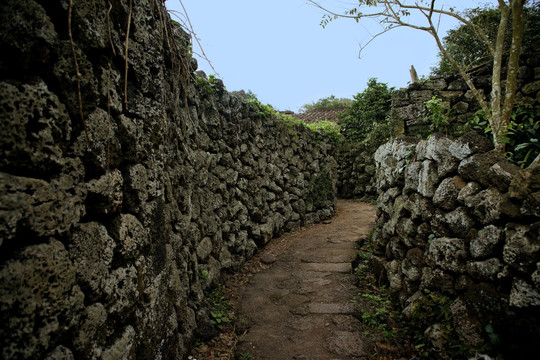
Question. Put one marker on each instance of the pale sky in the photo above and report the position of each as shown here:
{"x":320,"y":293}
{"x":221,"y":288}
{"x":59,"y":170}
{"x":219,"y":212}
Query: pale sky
{"x":278,"y":50}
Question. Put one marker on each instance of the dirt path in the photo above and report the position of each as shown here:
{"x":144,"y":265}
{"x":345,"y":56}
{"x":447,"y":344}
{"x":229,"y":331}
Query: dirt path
{"x":293,"y":299}
{"x":300,"y":307}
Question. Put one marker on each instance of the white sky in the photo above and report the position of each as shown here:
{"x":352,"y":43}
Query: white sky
{"x":278,"y":50}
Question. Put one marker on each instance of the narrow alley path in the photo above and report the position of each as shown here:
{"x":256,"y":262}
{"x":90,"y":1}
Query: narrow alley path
{"x":300,"y":308}
{"x":296,"y":298}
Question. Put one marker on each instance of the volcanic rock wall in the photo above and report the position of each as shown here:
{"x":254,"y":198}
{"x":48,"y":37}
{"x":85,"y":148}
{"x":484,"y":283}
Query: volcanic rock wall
{"x":456,"y":218}
{"x":356,"y":165}
{"x":128,"y":184}
{"x":408,"y":104}
{"x":356,"y":171}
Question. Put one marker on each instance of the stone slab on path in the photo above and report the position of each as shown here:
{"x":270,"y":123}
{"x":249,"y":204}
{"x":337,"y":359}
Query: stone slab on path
{"x":340,"y":308}
{"x":299,"y":307}
{"x":328,"y":267}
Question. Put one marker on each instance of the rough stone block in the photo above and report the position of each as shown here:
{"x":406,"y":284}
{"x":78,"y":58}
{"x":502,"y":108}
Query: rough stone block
{"x":446,"y":195}
{"x":487,"y":206}
{"x":448,"y":253}
{"x":522,"y":248}
{"x":459,"y":221}
{"x":91,"y":250}
{"x":34,"y":124}
{"x":105,"y":194}
{"x":40,"y":300}
{"x":428,"y":179}
{"x":485,"y":270}
{"x":486,"y":241}
{"x":467,"y":326}
{"x":523,"y":294}
{"x":476,"y":168}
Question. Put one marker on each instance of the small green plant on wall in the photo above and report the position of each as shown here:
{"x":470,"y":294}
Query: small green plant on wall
{"x":438,"y":117}
{"x":208,"y":85}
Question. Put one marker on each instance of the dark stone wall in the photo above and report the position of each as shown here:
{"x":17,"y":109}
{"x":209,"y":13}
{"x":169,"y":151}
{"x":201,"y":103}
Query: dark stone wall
{"x":355,"y":161}
{"x":356,"y":171}
{"x":457,"y":219}
{"x":408,"y":104}
{"x":128,"y":184}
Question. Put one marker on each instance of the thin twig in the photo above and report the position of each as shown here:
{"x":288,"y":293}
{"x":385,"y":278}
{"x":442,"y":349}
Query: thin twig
{"x":109,"y":114}
{"x":126,"y":53}
{"x":195,"y":36}
{"x":78,"y":74}
{"x":109,"y":26}
{"x":373,"y":38}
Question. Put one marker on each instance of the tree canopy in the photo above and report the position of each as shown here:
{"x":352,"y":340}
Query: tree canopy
{"x":392,"y":14}
{"x":462,"y":43}
{"x":369,"y":107}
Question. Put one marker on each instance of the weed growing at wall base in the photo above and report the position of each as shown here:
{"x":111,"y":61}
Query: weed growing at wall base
{"x":220,"y":308}
{"x":375,"y":308}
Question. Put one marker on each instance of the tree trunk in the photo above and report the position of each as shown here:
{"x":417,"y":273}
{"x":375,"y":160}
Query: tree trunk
{"x":513,"y":61}
{"x":495,"y":118}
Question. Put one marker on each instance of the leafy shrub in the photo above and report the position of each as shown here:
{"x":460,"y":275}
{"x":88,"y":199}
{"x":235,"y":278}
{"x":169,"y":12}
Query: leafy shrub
{"x":323,"y":130}
{"x":264,"y":111}
{"x":330,"y":102}
{"x":208,"y":85}
{"x":523,"y":137}
{"x":369,"y":107}
{"x":438,"y":118}
{"x":327,"y":129}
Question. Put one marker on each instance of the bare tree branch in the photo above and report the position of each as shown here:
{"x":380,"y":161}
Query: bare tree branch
{"x":500,"y":110}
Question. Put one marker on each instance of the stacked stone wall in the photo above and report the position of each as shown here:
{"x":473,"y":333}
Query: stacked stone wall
{"x":130,"y":185}
{"x":408,"y":104}
{"x":356,"y":171}
{"x":457,"y":219}
{"x":356,"y":164}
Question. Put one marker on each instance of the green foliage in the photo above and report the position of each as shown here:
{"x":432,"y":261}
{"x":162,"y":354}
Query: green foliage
{"x":493,"y":337}
{"x":208,"y":85}
{"x":244,"y":356}
{"x":323,"y":130}
{"x":469,"y":51}
{"x":438,"y":117}
{"x":369,"y":108}
{"x":374,"y":305}
{"x":327,"y":130}
{"x":330,"y":102}
{"x":382,"y":132}
{"x":264,"y":111}
{"x":523,"y":137}
{"x":377,"y":309}
{"x":220,"y":308}
{"x":434,"y":308}
{"x":203,"y":275}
